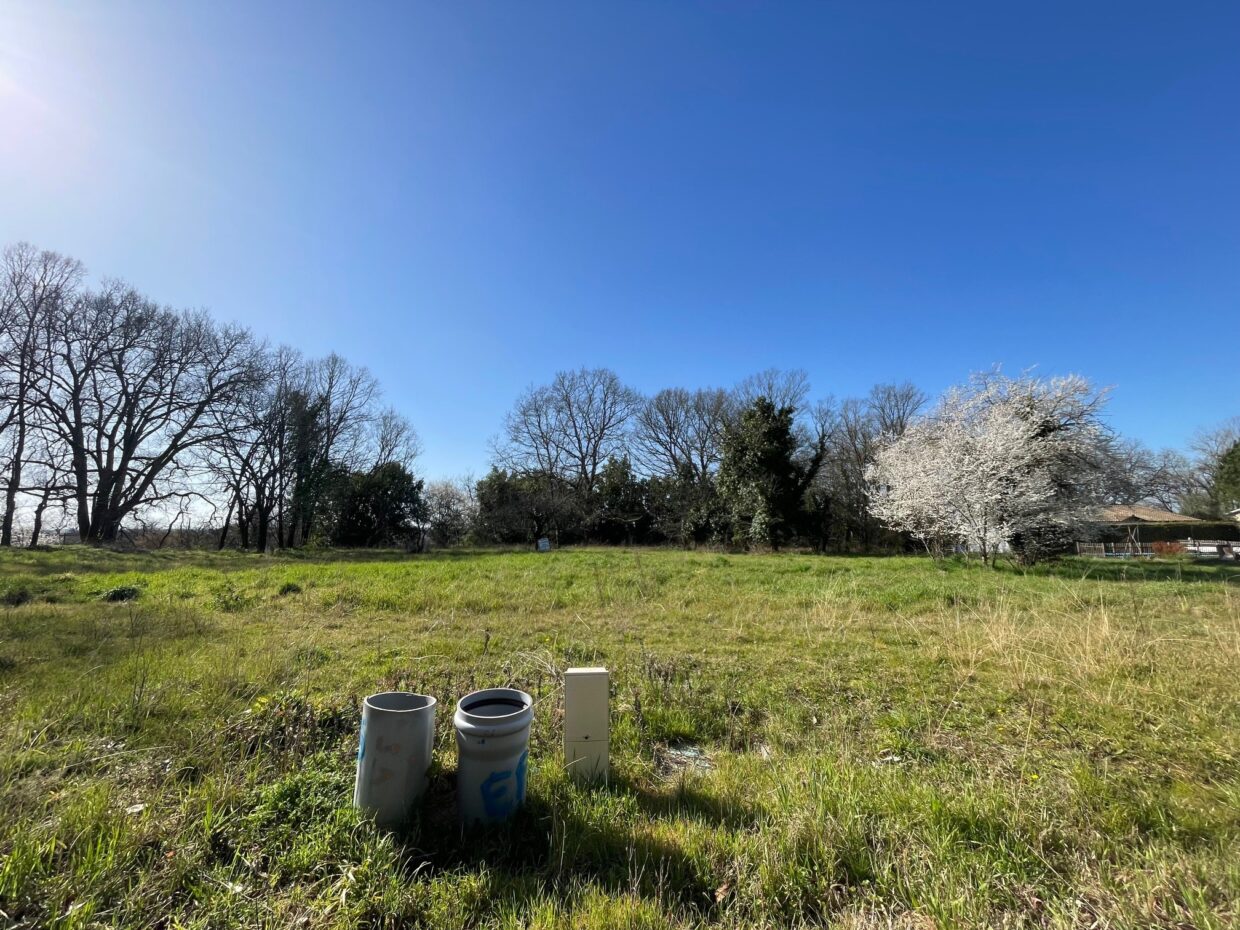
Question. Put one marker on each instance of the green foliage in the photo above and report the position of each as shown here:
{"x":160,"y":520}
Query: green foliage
{"x":763,"y":477}
{"x":621,"y":512}
{"x":381,"y":507}
{"x":16,"y":595}
{"x":521,"y":508}
{"x":687,"y":508}
{"x":122,"y":592}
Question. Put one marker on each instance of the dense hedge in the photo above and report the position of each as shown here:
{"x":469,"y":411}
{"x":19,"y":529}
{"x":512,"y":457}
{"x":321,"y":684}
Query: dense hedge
{"x":1173,"y":532}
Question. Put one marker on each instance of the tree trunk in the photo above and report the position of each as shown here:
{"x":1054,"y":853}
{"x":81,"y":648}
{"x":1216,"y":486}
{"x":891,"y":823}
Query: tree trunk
{"x":37,"y":528}
{"x":227,"y":521}
{"x":15,"y":476}
{"x":261,"y":530}
{"x":81,"y":487}
{"x":243,"y":525}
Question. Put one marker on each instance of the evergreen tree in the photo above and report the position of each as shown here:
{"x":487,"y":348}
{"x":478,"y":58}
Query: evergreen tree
{"x":381,"y":507}
{"x":764,"y":473}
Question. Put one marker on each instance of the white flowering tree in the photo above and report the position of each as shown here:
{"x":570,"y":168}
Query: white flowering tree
{"x":999,"y":461}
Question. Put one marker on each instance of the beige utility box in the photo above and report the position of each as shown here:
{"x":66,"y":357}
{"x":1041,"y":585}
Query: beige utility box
{"x":586,"y":724}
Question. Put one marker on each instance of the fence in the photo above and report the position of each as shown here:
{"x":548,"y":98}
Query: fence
{"x":1197,"y":548}
{"x":1210,"y":548}
{"x":1116,"y":550}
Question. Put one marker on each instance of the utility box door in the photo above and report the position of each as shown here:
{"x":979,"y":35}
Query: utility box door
{"x":587,"y":761}
{"x":585,"y":704}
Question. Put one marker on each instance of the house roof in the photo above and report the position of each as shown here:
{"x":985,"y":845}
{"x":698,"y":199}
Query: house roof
{"x":1138,"y":513}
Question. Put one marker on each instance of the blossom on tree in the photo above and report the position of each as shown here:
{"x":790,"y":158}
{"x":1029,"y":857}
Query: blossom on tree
{"x":999,"y":461}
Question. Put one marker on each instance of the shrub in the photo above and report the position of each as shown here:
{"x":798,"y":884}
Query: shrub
{"x":229,"y":599}
{"x":290,"y":726}
{"x":124,"y":592}
{"x":16,"y":596}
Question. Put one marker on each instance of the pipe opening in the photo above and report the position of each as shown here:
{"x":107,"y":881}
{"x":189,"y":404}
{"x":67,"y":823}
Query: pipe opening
{"x":399,"y":701}
{"x":494,"y":707}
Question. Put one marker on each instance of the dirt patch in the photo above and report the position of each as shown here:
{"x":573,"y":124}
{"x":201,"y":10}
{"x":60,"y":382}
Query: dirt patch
{"x":681,"y":757}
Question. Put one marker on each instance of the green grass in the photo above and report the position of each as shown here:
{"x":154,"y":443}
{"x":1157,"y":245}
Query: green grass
{"x":797,"y":740}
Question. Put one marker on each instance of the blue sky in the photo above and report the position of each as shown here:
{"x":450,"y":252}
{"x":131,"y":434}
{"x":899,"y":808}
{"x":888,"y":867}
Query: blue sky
{"x":466,"y":197}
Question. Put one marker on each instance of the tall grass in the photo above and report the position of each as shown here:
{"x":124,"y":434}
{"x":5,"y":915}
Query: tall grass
{"x":797,"y":741}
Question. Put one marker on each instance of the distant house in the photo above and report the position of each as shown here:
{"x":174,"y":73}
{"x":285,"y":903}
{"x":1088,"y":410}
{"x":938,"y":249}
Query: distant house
{"x":1234,"y":514}
{"x":1131,"y":530}
{"x":1138,"y":514}
{"x":1134,"y":529}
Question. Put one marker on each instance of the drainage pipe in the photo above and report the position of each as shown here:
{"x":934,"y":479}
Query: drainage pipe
{"x":393,"y":754}
{"x":492,"y":741}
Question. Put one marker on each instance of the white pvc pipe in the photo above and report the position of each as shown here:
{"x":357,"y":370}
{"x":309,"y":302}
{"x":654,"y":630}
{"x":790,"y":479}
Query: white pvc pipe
{"x":492,"y":742}
{"x":393,"y":754}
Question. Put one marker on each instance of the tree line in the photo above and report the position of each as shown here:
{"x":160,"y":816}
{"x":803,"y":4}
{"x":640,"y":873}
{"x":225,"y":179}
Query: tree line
{"x":129,"y":417}
{"x":586,"y":458}
{"x":124,"y":418}
{"x":1000,"y":462}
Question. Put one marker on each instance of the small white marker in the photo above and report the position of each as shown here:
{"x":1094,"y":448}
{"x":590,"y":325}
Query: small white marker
{"x":586,"y":724}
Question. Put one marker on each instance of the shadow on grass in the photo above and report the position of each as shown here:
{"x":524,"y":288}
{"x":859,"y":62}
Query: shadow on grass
{"x":564,"y":843}
{"x":686,"y":802}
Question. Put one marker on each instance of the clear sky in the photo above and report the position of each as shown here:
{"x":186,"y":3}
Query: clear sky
{"x":466,"y":197}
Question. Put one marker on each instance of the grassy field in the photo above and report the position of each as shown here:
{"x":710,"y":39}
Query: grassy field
{"x":797,"y":741}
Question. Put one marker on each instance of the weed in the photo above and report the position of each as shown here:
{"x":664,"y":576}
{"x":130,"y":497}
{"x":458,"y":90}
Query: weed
{"x":124,"y":592}
{"x":230,"y":599}
{"x":16,"y":596}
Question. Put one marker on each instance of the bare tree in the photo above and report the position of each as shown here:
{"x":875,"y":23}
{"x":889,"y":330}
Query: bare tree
{"x":852,"y":437}
{"x":1209,"y":446}
{"x":395,"y":440}
{"x":124,"y":413}
{"x":531,"y":443}
{"x":47,"y":477}
{"x":893,"y":407}
{"x":853,"y":431}
{"x":249,"y":458}
{"x":330,"y":424}
{"x":594,"y":409}
{"x":781,"y":388}
{"x":131,"y":388}
{"x":1135,"y":474}
{"x":569,"y":428}
{"x":451,"y":511}
{"x":346,"y":394}
{"x":34,"y":282}
{"x":679,"y":430}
